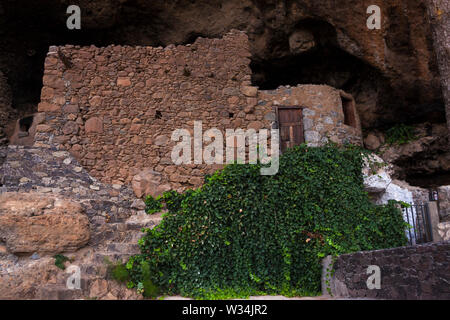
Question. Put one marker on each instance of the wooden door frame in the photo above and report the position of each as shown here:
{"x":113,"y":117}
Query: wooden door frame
{"x":298,"y":107}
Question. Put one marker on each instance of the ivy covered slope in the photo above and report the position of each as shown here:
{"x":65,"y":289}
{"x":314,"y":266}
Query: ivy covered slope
{"x":243,"y":233}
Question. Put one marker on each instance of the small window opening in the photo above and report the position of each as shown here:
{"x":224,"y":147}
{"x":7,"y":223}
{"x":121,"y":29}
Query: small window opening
{"x":25,"y":123}
{"x":348,"y":108}
{"x":158,"y":114}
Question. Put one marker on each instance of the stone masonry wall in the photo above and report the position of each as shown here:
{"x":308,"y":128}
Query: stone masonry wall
{"x":115,"y":108}
{"x":323,"y":117}
{"x":416,"y":272}
{"x":444,"y":203}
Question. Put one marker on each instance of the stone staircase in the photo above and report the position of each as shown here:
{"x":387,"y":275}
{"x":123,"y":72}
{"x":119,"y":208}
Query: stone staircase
{"x":95,"y":282}
{"x":116,"y":218}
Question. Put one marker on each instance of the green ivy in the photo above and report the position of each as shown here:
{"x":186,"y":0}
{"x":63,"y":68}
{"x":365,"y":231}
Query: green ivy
{"x":153,"y":205}
{"x":242,"y":233}
{"x":60,"y":261}
{"x":400,"y":134}
{"x":117,"y":270}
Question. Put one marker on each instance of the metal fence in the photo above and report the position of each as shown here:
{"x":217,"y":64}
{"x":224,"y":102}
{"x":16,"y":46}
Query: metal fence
{"x":418,"y":217}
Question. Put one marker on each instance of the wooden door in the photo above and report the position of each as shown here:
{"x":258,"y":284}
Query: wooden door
{"x":290,"y":122}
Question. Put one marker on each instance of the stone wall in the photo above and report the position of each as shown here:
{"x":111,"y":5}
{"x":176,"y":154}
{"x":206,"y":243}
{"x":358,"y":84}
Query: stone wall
{"x":323,"y":117}
{"x":416,"y":272}
{"x":444,"y":203}
{"x":444,"y":230}
{"x":115,"y":108}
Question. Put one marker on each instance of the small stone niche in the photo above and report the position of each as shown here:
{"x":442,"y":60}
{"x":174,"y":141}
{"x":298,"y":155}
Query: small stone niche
{"x":24,"y":126}
{"x":24,"y":131}
{"x":349,"y":110}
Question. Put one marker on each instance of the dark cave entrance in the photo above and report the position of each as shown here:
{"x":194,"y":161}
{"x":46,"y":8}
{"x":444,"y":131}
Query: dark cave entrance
{"x":25,"y":124}
{"x":27,"y":29}
{"x":429,"y":180}
{"x":324,"y":65}
{"x":310,"y":55}
{"x":348,"y":106}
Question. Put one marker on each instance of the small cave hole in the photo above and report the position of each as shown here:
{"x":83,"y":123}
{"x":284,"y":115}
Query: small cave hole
{"x":348,"y":107}
{"x":25,"y":124}
{"x":158,"y":114}
{"x":230,"y":115}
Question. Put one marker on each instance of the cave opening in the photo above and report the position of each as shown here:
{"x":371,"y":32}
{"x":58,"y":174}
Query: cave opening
{"x":309,"y":55}
{"x":25,"y":124}
{"x":428,"y":180}
{"x":28,"y":29}
{"x":348,"y":107}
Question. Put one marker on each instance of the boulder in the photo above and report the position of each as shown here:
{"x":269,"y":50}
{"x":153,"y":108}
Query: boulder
{"x":378,"y":182}
{"x":372,"y":142}
{"x":33,"y":222}
{"x":301,"y":41}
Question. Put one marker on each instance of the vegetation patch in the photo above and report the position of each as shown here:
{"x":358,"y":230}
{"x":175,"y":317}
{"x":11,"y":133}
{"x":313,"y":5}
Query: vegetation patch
{"x":243,"y":234}
{"x":60,"y":261}
{"x":400,"y":134}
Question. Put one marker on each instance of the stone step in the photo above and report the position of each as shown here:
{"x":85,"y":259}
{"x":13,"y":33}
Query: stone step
{"x":58,"y":292}
{"x":102,"y":257}
{"x":143,"y":220}
{"x":127,"y":248}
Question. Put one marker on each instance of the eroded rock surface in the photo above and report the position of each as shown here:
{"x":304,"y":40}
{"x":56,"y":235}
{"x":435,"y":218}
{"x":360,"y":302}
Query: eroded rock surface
{"x":49,"y":204}
{"x":33,"y":222}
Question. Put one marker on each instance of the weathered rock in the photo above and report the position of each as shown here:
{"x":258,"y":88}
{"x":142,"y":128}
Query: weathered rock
{"x":444,"y":203}
{"x":146,"y":183}
{"x":99,"y":289}
{"x":94,"y":124}
{"x":40,"y":223}
{"x":444,"y":230}
{"x":375,"y":173}
{"x":372,"y":142}
{"x":21,"y":280}
{"x":301,"y":41}
{"x":249,"y":91}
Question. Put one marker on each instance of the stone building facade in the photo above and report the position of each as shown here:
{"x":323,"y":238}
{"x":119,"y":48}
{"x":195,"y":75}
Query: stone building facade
{"x":115,"y":108}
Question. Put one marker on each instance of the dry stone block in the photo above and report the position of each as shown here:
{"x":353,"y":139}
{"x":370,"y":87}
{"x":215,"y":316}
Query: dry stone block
{"x":249,"y":91}
{"x":94,"y":125}
{"x":48,"y":107}
{"x":123,"y":81}
{"x":146,"y":183}
{"x":70,"y":127}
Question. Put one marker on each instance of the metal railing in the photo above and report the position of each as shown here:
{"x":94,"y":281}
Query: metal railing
{"x":418,"y":217}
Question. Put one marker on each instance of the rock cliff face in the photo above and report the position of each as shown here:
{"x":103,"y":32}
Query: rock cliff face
{"x":391,"y":72}
{"x":328,"y":41}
